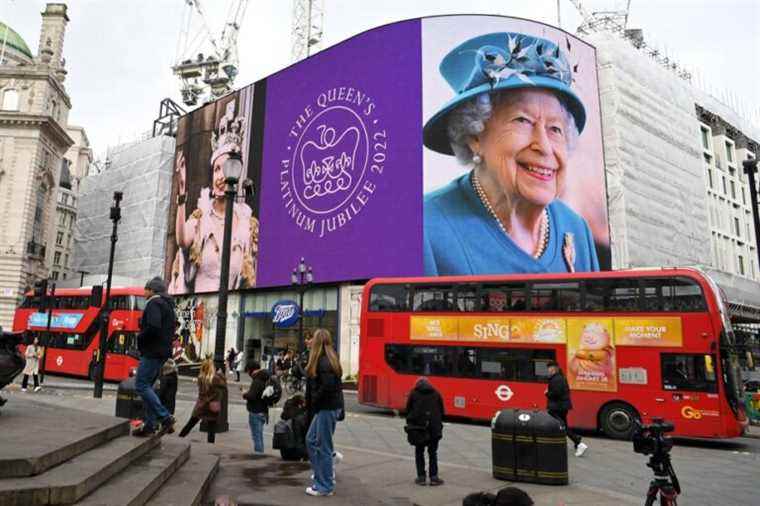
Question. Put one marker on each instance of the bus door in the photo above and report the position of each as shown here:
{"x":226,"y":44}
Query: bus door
{"x":690,"y":393}
{"x":121,"y":348}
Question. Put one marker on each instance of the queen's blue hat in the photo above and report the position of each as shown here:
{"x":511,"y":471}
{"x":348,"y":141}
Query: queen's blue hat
{"x":501,"y":61}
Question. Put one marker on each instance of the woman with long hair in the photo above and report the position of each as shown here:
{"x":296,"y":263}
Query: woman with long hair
{"x":211,"y":386}
{"x":324,"y":403}
{"x":33,"y":355}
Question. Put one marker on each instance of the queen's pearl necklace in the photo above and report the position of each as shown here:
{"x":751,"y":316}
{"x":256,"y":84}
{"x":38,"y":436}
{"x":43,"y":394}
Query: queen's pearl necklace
{"x":544,"y":227}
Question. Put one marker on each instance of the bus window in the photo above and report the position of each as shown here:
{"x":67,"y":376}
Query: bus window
{"x":684,"y":294}
{"x":509,"y":296}
{"x":120,"y":302}
{"x":433,"y":298}
{"x":468,"y":298}
{"x":123,"y":343}
{"x":692,"y":372}
{"x":138,"y":302}
{"x":553,"y":296}
{"x":515,"y":364}
{"x":597,"y":294}
{"x":388,"y":298}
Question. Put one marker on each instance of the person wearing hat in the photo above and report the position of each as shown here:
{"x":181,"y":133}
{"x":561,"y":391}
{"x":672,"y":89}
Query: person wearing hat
{"x":558,"y":403}
{"x":199,"y":237}
{"x":154,"y":341}
{"x":514,"y":119}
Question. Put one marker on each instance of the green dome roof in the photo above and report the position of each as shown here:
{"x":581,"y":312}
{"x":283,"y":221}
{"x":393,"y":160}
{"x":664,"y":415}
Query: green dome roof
{"x":14,"y":40}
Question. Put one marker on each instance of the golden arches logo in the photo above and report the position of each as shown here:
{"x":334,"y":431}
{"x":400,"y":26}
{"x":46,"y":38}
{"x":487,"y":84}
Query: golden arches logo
{"x":690,"y":413}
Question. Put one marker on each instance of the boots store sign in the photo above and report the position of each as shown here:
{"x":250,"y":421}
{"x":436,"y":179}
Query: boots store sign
{"x":285,"y":313}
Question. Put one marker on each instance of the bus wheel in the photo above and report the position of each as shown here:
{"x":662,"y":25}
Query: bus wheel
{"x":617,"y":420}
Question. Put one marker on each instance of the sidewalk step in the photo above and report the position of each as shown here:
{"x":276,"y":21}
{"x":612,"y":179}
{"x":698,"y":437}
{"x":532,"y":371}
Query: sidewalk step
{"x":188,"y":485}
{"x":72,"y":480}
{"x":36,"y":436}
{"x":138,"y":482}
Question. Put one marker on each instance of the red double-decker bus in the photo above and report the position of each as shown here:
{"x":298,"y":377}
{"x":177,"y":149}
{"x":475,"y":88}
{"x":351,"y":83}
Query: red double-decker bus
{"x":74,"y":338}
{"x":634,"y":344}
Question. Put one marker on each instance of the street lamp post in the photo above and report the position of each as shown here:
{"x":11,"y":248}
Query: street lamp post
{"x":750,"y":168}
{"x":301,"y":277}
{"x":233,"y":167}
{"x":106,"y":313}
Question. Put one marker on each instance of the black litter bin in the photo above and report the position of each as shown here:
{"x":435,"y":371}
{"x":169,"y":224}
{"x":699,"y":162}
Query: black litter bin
{"x":128,"y":403}
{"x":529,"y":446}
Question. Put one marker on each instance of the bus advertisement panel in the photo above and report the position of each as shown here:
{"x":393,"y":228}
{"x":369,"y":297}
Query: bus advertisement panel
{"x":400,"y":152}
{"x":633,"y":345}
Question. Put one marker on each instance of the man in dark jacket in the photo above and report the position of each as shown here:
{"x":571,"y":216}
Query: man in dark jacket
{"x":424,"y":426}
{"x":154,"y":342}
{"x":558,"y":403}
{"x":258,"y":409}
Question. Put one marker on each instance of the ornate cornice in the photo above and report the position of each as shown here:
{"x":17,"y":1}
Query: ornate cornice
{"x":46,"y":124}
{"x":719,"y":125}
{"x":35,"y":73}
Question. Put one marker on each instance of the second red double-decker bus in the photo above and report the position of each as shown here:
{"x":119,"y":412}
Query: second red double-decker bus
{"x":634,"y":344}
{"x":74,"y":337}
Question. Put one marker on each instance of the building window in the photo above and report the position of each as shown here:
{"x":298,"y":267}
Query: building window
{"x":59,"y":238}
{"x":729,"y":152}
{"x":733,"y":190}
{"x":64,"y":275}
{"x":10,"y":100}
{"x":39,"y":214}
{"x":705,"y":138}
{"x":737,"y":227}
{"x":741,"y":265}
{"x":709,"y":178}
{"x":65,"y":262}
{"x":725,"y":191}
{"x":744,"y":197}
{"x":57,"y":258}
{"x":55,"y":275}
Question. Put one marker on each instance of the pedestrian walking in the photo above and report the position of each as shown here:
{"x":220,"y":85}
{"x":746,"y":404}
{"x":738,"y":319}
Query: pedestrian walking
{"x":167,"y":385}
{"x":208,"y":405}
{"x":33,"y":355}
{"x":239,"y":364}
{"x":154,"y":341}
{"x":558,"y":403}
{"x":424,"y":428}
{"x":257,"y":405}
{"x":323,"y":403}
{"x":231,"y":354}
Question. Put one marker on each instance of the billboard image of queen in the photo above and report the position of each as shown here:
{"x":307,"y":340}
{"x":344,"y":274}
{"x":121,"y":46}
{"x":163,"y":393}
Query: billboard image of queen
{"x":199,"y":232}
{"x":514,"y":122}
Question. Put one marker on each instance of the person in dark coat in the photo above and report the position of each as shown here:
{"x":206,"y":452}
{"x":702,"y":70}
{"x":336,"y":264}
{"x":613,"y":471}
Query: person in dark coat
{"x":167,"y":385}
{"x":324,"y":392}
{"x":154,"y":341}
{"x":424,"y":426}
{"x":258,"y":409}
{"x":558,"y":403}
{"x":295,"y":409}
{"x":211,"y":386}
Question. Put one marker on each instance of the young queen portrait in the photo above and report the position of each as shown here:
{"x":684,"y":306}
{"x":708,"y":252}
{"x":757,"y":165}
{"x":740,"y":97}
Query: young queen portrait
{"x":514,"y":119}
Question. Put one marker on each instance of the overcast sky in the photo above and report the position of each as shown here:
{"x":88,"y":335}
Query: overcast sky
{"x":119,"y":52}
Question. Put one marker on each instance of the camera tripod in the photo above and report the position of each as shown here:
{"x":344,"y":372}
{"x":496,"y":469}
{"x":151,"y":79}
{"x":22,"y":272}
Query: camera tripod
{"x":665,"y":481}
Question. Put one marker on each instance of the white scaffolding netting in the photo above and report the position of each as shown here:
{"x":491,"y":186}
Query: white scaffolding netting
{"x":656,"y":183}
{"x":143,"y":172}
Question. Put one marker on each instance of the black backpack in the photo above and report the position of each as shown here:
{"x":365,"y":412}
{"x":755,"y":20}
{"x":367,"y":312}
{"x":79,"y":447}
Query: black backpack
{"x":277,"y":391}
{"x":283,"y":436}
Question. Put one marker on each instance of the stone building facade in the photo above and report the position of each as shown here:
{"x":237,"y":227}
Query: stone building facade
{"x":34,"y":109}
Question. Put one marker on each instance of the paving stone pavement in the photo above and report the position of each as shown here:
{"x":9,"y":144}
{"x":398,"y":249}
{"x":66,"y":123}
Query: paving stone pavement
{"x":379,"y":465}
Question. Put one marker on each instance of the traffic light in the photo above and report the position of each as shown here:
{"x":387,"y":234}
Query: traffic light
{"x":40,"y":293}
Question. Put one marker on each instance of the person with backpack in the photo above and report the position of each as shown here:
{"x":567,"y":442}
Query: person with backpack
{"x":323,"y":401}
{"x":424,"y":428}
{"x":290,"y":432}
{"x":257,"y":405}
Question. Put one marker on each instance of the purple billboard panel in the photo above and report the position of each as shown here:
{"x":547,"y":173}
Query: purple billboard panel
{"x":341,"y":182}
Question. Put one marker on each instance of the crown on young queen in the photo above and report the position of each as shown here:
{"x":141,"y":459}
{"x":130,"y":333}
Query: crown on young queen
{"x":228,"y":137}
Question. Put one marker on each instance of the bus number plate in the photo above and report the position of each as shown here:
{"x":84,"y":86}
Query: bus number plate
{"x":633,"y":375}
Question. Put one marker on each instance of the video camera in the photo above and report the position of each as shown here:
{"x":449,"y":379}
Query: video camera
{"x":650,"y":439}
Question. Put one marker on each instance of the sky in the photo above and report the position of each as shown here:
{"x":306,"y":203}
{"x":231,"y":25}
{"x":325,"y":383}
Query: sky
{"x":119,"y":53}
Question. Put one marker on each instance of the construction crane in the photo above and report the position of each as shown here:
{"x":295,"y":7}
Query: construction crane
{"x":207,"y":77}
{"x":308,"y":18}
{"x":612,"y":21}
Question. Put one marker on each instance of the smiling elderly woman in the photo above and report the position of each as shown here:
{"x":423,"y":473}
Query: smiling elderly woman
{"x":515,"y":120}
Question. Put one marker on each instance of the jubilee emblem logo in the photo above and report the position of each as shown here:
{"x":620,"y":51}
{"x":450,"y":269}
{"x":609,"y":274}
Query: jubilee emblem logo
{"x":336,"y":153}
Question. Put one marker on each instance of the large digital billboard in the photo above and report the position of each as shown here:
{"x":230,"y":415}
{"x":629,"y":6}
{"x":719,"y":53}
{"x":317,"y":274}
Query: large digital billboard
{"x":443,"y":145}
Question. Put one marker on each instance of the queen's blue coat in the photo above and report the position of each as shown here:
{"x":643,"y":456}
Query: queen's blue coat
{"x":461,"y":237}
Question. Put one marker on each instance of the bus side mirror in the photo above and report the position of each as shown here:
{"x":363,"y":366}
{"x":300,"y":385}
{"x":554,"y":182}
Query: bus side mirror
{"x":96,"y":297}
